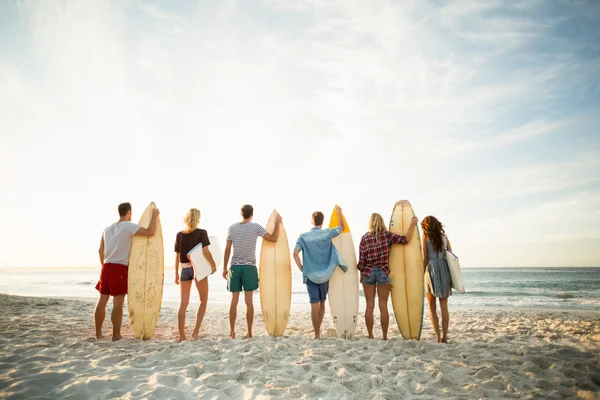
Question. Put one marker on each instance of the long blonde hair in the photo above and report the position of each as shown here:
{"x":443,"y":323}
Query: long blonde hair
{"x":376,"y":225}
{"x":192,"y":219}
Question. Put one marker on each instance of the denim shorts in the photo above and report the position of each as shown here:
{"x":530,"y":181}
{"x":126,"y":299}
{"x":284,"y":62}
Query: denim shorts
{"x":376,"y":277}
{"x":317,"y":292}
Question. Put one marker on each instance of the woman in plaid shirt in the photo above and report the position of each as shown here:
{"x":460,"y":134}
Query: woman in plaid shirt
{"x":374,"y":251}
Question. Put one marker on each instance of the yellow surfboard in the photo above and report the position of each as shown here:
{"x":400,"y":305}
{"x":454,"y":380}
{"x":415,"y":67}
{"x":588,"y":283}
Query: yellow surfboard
{"x":275,"y":280}
{"x":406,"y":274}
{"x":343,"y":286}
{"x":145,"y":279}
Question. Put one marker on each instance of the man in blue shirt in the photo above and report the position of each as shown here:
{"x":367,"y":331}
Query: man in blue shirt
{"x":319,"y":261}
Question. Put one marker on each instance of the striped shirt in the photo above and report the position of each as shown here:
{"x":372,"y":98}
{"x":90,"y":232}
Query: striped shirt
{"x":243,"y":238}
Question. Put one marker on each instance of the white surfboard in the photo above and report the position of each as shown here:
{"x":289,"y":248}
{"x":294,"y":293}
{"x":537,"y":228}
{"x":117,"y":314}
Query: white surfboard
{"x":202,"y":267}
{"x":455,"y":272}
{"x":343,"y":286}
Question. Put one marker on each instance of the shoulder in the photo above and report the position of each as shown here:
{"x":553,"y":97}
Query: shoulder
{"x":132,"y":226}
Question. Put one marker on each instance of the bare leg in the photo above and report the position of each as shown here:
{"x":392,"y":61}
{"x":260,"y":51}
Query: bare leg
{"x":235,"y":297}
{"x":100,"y":314}
{"x":321,"y":314}
{"x":249,"y":312}
{"x":315,"y":318}
{"x":202,"y":287}
{"x":117,"y":316}
{"x":433,"y":315}
{"x":185,"y":288}
{"x":445,"y":319}
{"x":370,"y":298}
{"x":383,"y":293}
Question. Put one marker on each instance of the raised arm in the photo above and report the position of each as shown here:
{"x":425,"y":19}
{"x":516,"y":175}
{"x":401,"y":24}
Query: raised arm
{"x":226,"y":258}
{"x":272,"y":237}
{"x":338,"y":210}
{"x":411,"y":228}
{"x":151,"y":229}
{"x":101,"y":250}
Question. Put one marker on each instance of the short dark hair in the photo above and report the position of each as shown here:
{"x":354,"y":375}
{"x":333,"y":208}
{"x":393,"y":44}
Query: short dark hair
{"x":124,"y":208}
{"x":317,"y":218}
{"x":247,"y":211}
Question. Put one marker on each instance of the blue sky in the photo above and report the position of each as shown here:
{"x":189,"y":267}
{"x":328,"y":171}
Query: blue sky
{"x":483,"y":113}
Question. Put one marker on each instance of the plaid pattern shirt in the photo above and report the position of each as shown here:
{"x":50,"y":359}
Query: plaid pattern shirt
{"x":375,"y":253}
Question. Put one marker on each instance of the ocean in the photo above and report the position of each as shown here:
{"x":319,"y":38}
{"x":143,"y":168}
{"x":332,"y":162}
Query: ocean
{"x":549,"y":288}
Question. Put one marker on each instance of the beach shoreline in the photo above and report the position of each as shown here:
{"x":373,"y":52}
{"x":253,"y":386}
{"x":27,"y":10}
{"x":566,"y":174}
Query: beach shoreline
{"x":47,"y":351}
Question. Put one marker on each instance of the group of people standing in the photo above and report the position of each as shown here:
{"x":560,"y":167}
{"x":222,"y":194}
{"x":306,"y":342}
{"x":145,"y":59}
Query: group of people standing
{"x":318,"y":262}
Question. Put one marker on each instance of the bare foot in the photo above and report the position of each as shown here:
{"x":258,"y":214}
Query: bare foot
{"x":115,"y":338}
{"x":248,"y":335}
{"x":195,"y":335}
{"x":444,"y":340}
{"x":371,"y":337}
{"x":232,"y":334}
{"x":99,"y":336}
{"x":384,"y":338}
{"x":181,"y":339}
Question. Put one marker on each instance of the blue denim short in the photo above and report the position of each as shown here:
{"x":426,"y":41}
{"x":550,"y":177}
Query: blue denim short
{"x":376,"y":277}
{"x":317,"y":293}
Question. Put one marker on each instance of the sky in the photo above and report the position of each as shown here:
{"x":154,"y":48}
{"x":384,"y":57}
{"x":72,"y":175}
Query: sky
{"x":485,"y":114}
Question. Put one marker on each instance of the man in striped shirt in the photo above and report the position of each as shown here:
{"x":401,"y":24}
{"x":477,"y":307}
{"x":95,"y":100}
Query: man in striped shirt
{"x":243,"y":274}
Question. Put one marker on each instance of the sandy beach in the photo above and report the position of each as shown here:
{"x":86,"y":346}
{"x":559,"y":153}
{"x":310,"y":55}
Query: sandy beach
{"x":47,"y":351}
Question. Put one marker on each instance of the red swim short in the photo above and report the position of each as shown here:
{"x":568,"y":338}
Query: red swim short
{"x":113,"y":279}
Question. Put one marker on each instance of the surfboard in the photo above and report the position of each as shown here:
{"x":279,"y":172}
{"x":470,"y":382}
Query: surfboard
{"x":343,"y":286}
{"x":275,"y":280}
{"x":145,"y":279}
{"x":406,"y":274}
{"x":455,"y":272}
{"x":200,"y":263}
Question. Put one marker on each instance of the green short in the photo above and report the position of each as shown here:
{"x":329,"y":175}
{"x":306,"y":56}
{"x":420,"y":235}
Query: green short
{"x":242,"y":277}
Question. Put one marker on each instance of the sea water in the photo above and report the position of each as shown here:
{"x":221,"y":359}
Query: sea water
{"x":485,"y":287}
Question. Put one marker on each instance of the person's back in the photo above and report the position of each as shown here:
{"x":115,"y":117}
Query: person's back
{"x":318,"y":252}
{"x":117,"y":242}
{"x":243,"y":274}
{"x":319,"y":260}
{"x":434,"y":254}
{"x":115,"y":246}
{"x":243,"y":237}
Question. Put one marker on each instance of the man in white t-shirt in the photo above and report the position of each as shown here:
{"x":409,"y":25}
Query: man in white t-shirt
{"x":243,"y":274}
{"x":114,"y":257}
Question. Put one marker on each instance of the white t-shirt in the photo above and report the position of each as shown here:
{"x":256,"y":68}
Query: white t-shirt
{"x":117,"y":242}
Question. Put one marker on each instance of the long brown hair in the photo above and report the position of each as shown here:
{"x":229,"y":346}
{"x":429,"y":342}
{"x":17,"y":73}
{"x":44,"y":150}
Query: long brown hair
{"x":434,"y":231}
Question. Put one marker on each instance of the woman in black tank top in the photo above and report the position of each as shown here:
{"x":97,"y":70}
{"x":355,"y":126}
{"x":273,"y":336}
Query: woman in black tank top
{"x":185,"y":241}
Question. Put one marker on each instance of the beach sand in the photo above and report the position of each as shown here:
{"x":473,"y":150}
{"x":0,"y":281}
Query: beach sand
{"x":47,"y":351}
